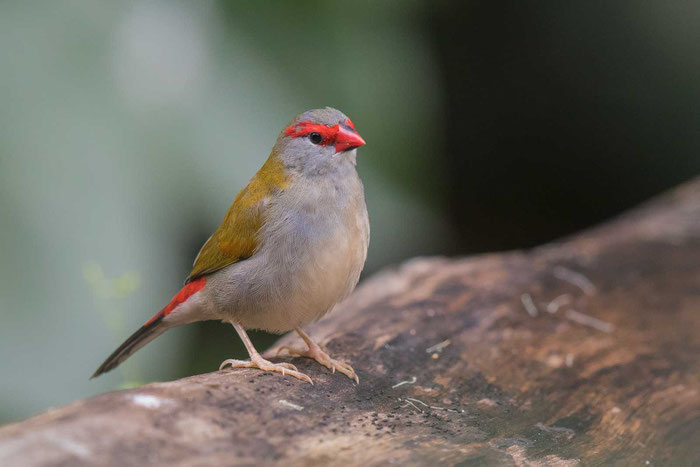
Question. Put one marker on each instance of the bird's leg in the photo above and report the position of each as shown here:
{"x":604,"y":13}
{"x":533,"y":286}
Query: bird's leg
{"x":256,"y":360}
{"x":314,"y":351}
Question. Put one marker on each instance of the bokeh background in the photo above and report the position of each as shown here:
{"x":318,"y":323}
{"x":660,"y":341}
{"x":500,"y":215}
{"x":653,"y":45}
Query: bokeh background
{"x":127,"y":128}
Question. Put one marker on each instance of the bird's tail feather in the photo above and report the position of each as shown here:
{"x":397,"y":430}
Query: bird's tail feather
{"x":154,"y":327}
{"x":145,"y":334}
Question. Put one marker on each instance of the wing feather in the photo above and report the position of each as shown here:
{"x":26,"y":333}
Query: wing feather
{"x":237,"y":237}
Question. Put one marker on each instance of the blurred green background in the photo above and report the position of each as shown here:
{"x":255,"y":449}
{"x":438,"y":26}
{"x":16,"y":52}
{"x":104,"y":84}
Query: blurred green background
{"x":127,"y":128}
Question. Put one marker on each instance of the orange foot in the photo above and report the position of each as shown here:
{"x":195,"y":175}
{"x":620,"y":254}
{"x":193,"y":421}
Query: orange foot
{"x":315,"y":352}
{"x":256,"y":361}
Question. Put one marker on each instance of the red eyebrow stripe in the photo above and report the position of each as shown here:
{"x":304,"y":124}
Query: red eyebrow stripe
{"x":307,"y":127}
{"x":350,"y":124}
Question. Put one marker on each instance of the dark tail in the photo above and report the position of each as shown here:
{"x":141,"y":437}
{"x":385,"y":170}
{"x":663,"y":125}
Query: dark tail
{"x":143,"y":336}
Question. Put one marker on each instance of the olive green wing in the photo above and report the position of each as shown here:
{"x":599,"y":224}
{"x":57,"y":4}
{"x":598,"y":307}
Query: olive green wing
{"x":237,"y":237}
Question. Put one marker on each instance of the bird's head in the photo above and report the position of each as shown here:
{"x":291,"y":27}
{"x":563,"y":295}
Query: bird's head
{"x":317,"y":141}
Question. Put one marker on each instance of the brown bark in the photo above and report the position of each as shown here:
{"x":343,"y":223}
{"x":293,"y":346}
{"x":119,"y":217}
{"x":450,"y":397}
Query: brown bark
{"x":582,"y":351}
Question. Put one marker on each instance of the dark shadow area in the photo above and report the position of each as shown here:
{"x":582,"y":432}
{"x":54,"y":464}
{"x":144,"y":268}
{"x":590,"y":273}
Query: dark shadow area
{"x":562,"y":114}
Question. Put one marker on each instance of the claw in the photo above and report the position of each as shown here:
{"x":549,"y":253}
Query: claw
{"x":288,"y":366}
{"x":324,"y":359}
{"x":265,"y":365}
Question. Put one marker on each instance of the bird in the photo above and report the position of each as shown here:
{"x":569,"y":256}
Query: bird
{"x":291,"y":246}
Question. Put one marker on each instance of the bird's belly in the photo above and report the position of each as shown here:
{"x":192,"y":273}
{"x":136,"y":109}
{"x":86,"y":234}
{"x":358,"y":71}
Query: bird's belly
{"x":328,"y":276}
{"x":299,"y":278}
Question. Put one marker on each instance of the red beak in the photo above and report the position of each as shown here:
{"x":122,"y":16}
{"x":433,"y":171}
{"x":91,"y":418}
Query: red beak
{"x":347,"y":138}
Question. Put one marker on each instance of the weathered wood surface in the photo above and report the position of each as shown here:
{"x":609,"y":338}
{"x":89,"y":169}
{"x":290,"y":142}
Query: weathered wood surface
{"x":584,"y":351}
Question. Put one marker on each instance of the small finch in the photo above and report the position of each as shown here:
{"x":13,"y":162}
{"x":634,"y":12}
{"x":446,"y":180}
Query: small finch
{"x":291,"y":246}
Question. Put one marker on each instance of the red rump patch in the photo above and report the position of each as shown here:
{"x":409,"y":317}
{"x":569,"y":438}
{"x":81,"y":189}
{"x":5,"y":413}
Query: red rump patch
{"x":187,"y":291}
{"x":305,"y":128}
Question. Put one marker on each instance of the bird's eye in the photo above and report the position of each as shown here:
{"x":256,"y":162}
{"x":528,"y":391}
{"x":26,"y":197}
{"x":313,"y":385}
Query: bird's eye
{"x":315,"y":138}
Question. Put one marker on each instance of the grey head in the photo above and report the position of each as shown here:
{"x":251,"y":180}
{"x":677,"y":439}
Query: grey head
{"x":317,"y":142}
